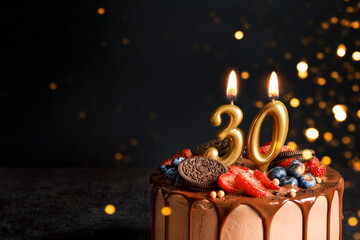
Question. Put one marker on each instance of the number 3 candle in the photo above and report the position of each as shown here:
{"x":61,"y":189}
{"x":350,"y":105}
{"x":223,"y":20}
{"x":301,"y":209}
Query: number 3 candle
{"x":280,"y":119}
{"x":230,"y":131}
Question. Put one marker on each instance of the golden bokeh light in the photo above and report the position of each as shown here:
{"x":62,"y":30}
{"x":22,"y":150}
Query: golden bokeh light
{"x":352,"y":221}
{"x":348,"y":154}
{"x":82,"y":115}
{"x":326,"y":160}
{"x":322,"y":104}
{"x":320,"y":55}
{"x":110,"y":209}
{"x":166,"y":211}
{"x":294,"y":102}
{"x":244,"y":75}
{"x":341,"y":51}
{"x":307,"y":154}
{"x":351,"y":127}
{"x":355,"y":24}
{"x":346,"y":140}
{"x":52,"y":86}
{"x":309,"y":100}
{"x":101,"y":11}
{"x":358,"y":113}
{"x":118,"y":156}
{"x":302,"y":66}
{"x":355,"y":88}
{"x":356,"y":166}
{"x":312,"y":134}
{"x":292,"y":145}
{"x":260,"y":104}
{"x":356,"y":56}
{"x":134,"y":142}
{"x":340,"y":116}
{"x":338,"y":108}
{"x":328,"y":136}
{"x":239,"y":35}
{"x":303,"y":75}
{"x":321,"y":81}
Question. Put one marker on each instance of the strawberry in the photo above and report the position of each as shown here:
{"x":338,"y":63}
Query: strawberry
{"x":250,"y":184}
{"x":312,"y":163}
{"x":227,"y":182}
{"x":266,"y":147}
{"x":237,"y":169}
{"x":186,"y":153}
{"x":265,"y":180}
{"x":285,"y":162}
{"x":317,"y":171}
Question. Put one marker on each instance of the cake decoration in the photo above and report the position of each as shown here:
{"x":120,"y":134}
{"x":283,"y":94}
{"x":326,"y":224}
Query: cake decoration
{"x":200,"y":172}
{"x":227,"y":182}
{"x":222,"y":146}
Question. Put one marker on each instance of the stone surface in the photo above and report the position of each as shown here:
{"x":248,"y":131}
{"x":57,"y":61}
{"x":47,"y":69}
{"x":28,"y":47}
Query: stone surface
{"x":68,"y":203}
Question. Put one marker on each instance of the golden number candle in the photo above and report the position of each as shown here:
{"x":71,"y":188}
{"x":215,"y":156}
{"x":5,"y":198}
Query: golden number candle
{"x":280,"y":118}
{"x":230,"y":131}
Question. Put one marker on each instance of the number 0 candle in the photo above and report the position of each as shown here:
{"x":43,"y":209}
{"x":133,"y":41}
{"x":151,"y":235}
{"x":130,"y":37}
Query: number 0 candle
{"x":280,"y":119}
{"x":230,"y":131}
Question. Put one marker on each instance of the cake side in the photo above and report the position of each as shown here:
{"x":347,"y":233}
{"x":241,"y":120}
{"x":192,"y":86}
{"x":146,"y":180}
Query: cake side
{"x":314,"y":213}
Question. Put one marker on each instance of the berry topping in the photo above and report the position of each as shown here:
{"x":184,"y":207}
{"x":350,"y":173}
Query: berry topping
{"x":171,"y":174}
{"x":296,"y":170}
{"x":266,"y":147}
{"x":289,"y":181}
{"x":163,"y":168}
{"x":265,"y":180}
{"x":185,"y":153}
{"x":312,"y":163}
{"x":294,"y":162}
{"x":227,"y":182}
{"x":317,"y":171}
{"x":250,"y":184}
{"x":277,"y":172}
{"x":307,"y":180}
{"x":176,"y":161}
{"x":286,"y":162}
{"x":237,"y":169}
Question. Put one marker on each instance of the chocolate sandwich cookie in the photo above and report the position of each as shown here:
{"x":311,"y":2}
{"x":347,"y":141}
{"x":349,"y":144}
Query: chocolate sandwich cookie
{"x":222,"y":146}
{"x":296,"y":155}
{"x":200,"y":173}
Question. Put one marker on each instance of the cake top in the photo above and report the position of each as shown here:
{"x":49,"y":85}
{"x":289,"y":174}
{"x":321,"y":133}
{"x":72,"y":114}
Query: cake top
{"x":292,"y":173}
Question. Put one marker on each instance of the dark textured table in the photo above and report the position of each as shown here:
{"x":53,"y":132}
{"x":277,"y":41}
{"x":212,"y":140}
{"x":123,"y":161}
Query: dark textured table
{"x":68,"y":203}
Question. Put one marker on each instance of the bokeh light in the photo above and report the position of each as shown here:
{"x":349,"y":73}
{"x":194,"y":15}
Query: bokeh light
{"x":341,"y":51}
{"x":239,"y":35}
{"x":326,"y":160}
{"x":302,"y":66}
{"x":110,"y":209}
{"x":302,"y":75}
{"x":101,"y":11}
{"x":356,"y":56}
{"x":321,"y":81}
{"x":166,"y":211}
{"x":352,"y":221}
{"x":294,"y":102}
{"x":328,"y":136}
{"x":307,"y":154}
{"x":52,"y":86}
{"x":244,"y":75}
{"x":312,"y":134}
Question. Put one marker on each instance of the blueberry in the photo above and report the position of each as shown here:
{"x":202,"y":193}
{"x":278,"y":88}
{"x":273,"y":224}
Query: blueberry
{"x":307,"y":180}
{"x":289,"y":181}
{"x":296,"y":170}
{"x":163,"y":168}
{"x":171,"y":173}
{"x":277,"y":172}
{"x":175,"y":162}
{"x":294,"y":162}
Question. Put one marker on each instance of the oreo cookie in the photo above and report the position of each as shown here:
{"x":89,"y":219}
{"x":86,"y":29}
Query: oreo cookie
{"x":292,"y":154}
{"x":222,"y":146}
{"x":200,"y":173}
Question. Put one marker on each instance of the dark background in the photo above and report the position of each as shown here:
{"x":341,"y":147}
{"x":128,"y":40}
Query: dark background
{"x":132,"y":86}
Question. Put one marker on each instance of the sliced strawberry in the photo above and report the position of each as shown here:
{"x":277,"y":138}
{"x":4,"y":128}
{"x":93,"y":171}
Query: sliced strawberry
{"x":227,"y":182}
{"x":265,"y":144}
{"x":250,"y":184}
{"x":314,"y":162}
{"x":317,"y":171}
{"x":237,"y":169}
{"x":286,"y":162}
{"x":265,"y":180}
{"x":185,"y":153}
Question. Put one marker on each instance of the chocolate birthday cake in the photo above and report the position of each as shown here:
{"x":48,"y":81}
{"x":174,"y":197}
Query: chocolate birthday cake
{"x":196,"y":197}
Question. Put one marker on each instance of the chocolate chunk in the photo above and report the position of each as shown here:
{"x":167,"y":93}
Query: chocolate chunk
{"x":222,"y":146}
{"x":200,"y":173}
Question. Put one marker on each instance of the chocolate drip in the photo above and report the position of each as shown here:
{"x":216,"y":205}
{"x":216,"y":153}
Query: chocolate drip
{"x":266,"y":207}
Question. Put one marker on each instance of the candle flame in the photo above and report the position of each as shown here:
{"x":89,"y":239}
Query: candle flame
{"x":273,"y":86}
{"x":231,"y":90}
